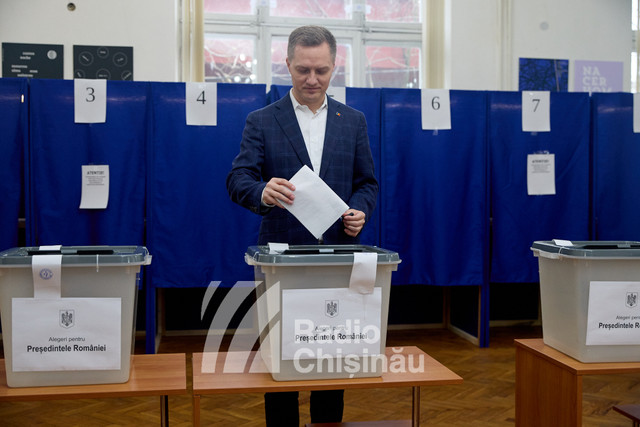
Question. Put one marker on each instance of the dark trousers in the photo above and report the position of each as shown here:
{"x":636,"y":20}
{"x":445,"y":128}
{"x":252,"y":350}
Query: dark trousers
{"x":281,"y":409}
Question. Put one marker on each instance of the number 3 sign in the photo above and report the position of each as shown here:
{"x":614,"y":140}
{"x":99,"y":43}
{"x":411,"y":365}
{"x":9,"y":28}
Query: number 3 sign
{"x":90,"y":101}
{"x":202,"y":104}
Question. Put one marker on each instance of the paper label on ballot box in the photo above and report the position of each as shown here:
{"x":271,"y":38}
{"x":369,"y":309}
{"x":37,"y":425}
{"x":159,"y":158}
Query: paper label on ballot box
{"x":613,"y":317}
{"x":66,"y":334}
{"x":332,"y":322}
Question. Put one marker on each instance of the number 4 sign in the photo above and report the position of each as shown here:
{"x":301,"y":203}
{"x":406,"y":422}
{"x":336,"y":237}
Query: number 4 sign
{"x":90,"y":101}
{"x":202,"y":104}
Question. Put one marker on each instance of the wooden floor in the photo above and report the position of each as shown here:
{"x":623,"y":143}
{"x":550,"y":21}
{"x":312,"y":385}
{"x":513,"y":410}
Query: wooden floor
{"x":485,"y":399}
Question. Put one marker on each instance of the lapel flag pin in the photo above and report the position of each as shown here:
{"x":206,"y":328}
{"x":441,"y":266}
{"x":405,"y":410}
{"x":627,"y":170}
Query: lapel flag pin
{"x":338,"y":114}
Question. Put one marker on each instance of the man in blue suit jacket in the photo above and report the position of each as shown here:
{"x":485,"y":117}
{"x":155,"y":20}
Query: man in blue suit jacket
{"x":305,"y":128}
{"x":273,"y":149}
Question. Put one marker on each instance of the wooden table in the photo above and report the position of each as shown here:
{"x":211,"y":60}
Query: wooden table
{"x":221,"y":382}
{"x":549,"y":384}
{"x":151,"y":375}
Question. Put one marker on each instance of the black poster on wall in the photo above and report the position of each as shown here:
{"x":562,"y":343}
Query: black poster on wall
{"x":103,"y":62}
{"x":37,"y":61}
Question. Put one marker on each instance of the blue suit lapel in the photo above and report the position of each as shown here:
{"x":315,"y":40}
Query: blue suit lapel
{"x":332,"y":135}
{"x":286,"y":118}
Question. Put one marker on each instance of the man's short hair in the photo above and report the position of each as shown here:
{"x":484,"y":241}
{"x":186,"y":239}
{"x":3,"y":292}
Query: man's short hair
{"x":311,"y":35}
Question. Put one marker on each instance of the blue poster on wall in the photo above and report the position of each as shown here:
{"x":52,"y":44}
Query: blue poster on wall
{"x":544,"y":74}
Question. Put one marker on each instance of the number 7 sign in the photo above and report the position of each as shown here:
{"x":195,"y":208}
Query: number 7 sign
{"x":536,"y":112}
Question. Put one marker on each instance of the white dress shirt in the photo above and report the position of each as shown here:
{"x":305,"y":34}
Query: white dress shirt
{"x":312,"y":125}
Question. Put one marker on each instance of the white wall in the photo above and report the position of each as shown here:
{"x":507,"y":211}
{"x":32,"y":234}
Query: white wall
{"x":473,"y":50}
{"x":150,"y":26}
{"x":483,"y":42}
{"x":489,"y":36}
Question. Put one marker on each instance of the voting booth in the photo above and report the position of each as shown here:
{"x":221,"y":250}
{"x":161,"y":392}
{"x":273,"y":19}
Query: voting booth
{"x":589,"y":295}
{"x":322,"y":310}
{"x":68,"y":313}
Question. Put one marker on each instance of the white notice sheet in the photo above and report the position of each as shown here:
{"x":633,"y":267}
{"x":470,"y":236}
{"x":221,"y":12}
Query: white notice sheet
{"x":331,"y":322}
{"x":66,"y":334}
{"x":613,"y":317}
{"x":541,"y":174}
{"x":95,"y":187}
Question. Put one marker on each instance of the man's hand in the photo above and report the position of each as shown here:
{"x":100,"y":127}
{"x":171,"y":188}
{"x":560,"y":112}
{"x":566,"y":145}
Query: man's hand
{"x":353,"y":221}
{"x":278,"y":189}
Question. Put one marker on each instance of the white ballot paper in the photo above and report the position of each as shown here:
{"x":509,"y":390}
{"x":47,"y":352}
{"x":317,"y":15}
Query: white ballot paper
{"x":66,"y":334}
{"x":613,"y":317}
{"x":330,"y":322}
{"x":541,"y":174}
{"x":316,"y":205}
{"x":95,"y":187}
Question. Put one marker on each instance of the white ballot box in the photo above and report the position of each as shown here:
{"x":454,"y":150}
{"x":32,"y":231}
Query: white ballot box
{"x":68,"y":313}
{"x":589,"y":292}
{"x":322,"y":310}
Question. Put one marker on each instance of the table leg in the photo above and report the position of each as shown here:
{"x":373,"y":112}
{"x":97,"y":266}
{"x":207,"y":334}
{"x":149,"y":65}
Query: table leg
{"x":415,"y":408}
{"x":546,"y":394}
{"x":196,"y":410}
{"x":164,"y":411}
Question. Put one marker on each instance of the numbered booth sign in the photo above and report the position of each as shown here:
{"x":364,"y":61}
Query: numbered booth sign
{"x":90,"y":101}
{"x":201,"y":101}
{"x":536,"y":111}
{"x":436,"y":109}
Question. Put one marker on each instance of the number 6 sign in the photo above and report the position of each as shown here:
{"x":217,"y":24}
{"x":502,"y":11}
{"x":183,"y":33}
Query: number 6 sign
{"x":436,"y":109}
{"x":90,"y":101}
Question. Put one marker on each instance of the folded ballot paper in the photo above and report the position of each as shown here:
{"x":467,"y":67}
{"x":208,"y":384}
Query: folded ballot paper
{"x":316,"y":205}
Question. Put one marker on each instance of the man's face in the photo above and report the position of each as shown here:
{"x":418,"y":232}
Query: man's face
{"x":311,"y":68}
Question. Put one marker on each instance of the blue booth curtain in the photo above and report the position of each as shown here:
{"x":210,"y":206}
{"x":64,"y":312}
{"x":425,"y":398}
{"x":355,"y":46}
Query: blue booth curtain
{"x":434,"y":188}
{"x":616,"y":150}
{"x":14,"y":98}
{"x":519,"y":219}
{"x":366,"y":100}
{"x":195,"y":233}
{"x":59,"y":148}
